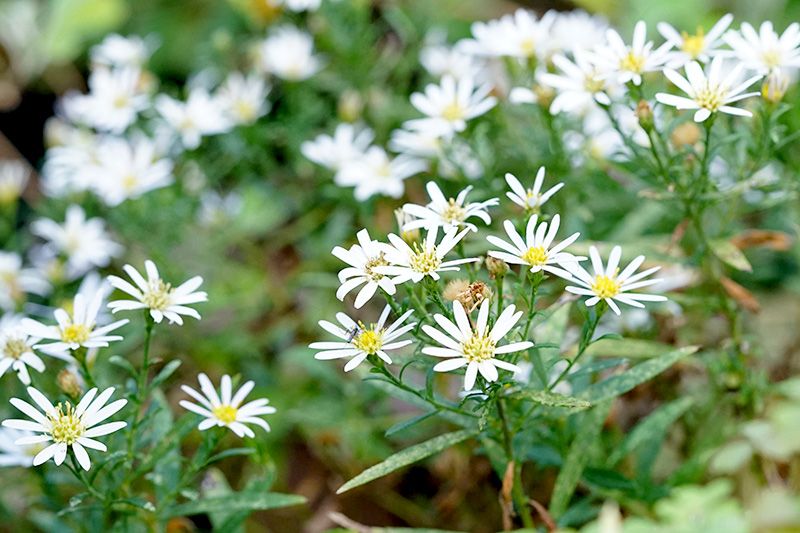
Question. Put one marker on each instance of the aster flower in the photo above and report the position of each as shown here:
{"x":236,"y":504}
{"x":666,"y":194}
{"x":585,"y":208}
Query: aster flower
{"x":348,"y":143}
{"x":14,"y":176}
{"x":84,"y":242}
{"x":709,"y":92}
{"x":447,"y":213}
{"x":243,"y":98}
{"x":416,"y":138}
{"x":521,"y":35}
{"x":16,"y":350}
{"x":14,"y":455}
{"x":300,"y":5}
{"x":288,"y":53}
{"x":116,"y":51}
{"x":16,"y":281}
{"x":578,"y":86}
{"x":474,"y":347}
{"x":66,"y":426}
{"x":765,"y":51}
{"x":440,"y":60}
{"x":698,"y":47}
{"x":627,"y":63}
{"x":114,"y":100}
{"x":359,"y":341}
{"x":200,"y":116}
{"x":536,"y":250}
{"x":362,"y":259}
{"x":577,"y":30}
{"x":453,"y":102}
{"x":374,"y":172}
{"x":226,"y":409}
{"x":75,"y":330}
{"x":609,"y":284}
{"x":155,"y":294}
{"x":426,"y":259}
{"x":532,"y":198}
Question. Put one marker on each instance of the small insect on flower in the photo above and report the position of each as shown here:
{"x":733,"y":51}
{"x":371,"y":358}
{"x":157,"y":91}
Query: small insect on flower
{"x":226,"y":409}
{"x":360,"y":340}
{"x":447,"y":213}
{"x":532,"y":198}
{"x":363,"y":258}
{"x":611,"y":285}
{"x":66,"y":426}
{"x":158,"y":296}
{"x":474,"y":348}
{"x":535,"y":251}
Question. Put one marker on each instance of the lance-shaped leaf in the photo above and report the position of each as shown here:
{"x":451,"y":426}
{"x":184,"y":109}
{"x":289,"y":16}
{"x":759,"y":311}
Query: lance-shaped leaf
{"x":551,"y":399}
{"x":237,"y":501}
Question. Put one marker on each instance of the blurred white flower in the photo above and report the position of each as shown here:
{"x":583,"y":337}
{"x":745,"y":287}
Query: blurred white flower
{"x":375,"y":172}
{"x":417,"y":139}
{"x":244,"y":98}
{"x":16,"y":350}
{"x":626,"y":63}
{"x":14,"y":176}
{"x":116,"y":51}
{"x":360,"y":341}
{"x":698,"y":47}
{"x":452,"y":103}
{"x":15,"y":455}
{"x":16,"y":281}
{"x":425,"y":259}
{"x":521,"y":35}
{"x":440,"y":59}
{"x":288,"y":53}
{"x":200,"y":116}
{"x":114,"y":100}
{"x":68,"y":168}
{"x":217,"y":208}
{"x":362,"y":259}
{"x":577,"y":30}
{"x":66,"y":426}
{"x":348,"y":142}
{"x":300,"y":5}
{"x":766,"y":51}
{"x":226,"y":409}
{"x":532,"y":198}
{"x":579,"y":86}
{"x":447,"y":213}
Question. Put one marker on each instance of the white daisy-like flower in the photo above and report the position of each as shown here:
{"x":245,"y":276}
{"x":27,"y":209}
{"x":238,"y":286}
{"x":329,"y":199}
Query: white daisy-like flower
{"x":375,"y":172}
{"x":300,"y":5}
{"x":417,"y":139}
{"x":84,"y":242}
{"x":439,"y":60}
{"x":217,"y":208}
{"x":115,"y":99}
{"x":627,"y":63}
{"x":288,"y":53}
{"x":709,"y":92}
{"x":447,"y":213}
{"x":67,"y":426}
{"x":532,"y":198}
{"x":765,"y":51}
{"x":14,"y":176}
{"x":577,"y":30}
{"x":536,"y":251}
{"x":348,"y":143}
{"x":161,"y":298}
{"x":244,"y":98}
{"x":226,"y":409}
{"x":611,"y":285}
{"x":698,"y":47}
{"x":116,"y":51}
{"x":578,"y":86}
{"x":16,"y":281}
{"x":522,"y":35}
{"x":360,"y":341}
{"x":476,"y":348}
{"x":453,"y":102}
{"x":76,"y":330}
{"x":17,"y":455}
{"x":424,"y":259}
{"x":200,"y":116}
{"x":16,"y":350}
{"x":362,"y":259}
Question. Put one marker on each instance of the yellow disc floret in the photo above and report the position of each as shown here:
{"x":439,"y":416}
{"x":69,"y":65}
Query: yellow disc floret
{"x":535,"y":256}
{"x":694,"y":44}
{"x":75,"y":333}
{"x":453,"y":213}
{"x":14,"y":348}
{"x":369,"y":340}
{"x":605,"y":286}
{"x":423,"y":260}
{"x":453,"y":111}
{"x":158,"y":295}
{"x":225,"y":413}
{"x":478,"y":348}
{"x":632,"y":62}
{"x":65,"y":426}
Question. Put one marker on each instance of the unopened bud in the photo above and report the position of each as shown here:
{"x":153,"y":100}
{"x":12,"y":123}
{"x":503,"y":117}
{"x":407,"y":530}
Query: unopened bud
{"x":496,"y":267}
{"x":686,"y":134}
{"x":774,"y":87}
{"x":69,"y":383}
{"x":404,"y":218}
{"x":350,"y":106}
{"x":645,"y":115}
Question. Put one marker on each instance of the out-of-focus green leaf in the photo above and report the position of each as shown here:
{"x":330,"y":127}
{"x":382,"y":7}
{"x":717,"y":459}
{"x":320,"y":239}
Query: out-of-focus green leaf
{"x":653,"y":428}
{"x":71,"y":23}
{"x":238,"y":501}
{"x":730,"y":255}
{"x":551,"y":399}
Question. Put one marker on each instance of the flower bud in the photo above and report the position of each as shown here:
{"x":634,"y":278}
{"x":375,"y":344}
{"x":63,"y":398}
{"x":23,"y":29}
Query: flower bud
{"x":69,"y":383}
{"x":544,"y":95}
{"x":685,"y":134}
{"x":350,"y":106}
{"x":496,"y":267}
{"x":774,"y":87}
{"x":645,"y":115}
{"x":404,"y":218}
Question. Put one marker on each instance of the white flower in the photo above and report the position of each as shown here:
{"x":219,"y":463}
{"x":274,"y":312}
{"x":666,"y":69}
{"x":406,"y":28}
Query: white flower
{"x":16,"y":351}
{"x":577,"y":30}
{"x":476,"y":347}
{"x":289,"y":54}
{"x":67,"y":426}
{"x":68,"y":169}
{"x":766,"y":51}
{"x":117,"y":51}
{"x":156,"y":295}
{"x":243,"y":98}
{"x":14,"y":176}
{"x":300,"y":5}
{"x":698,"y":47}
{"x":334,"y":152}
{"x":611,"y":285}
{"x":443,"y":60}
{"x":416,"y":138}
{"x":578,"y":86}
{"x":447,"y":213}
{"x":628,"y":63}
{"x":521,"y":34}
{"x":114,"y":100}
{"x":426,"y":259}
{"x":374,"y":172}
{"x":530,"y":198}
{"x":125,"y":169}
{"x":453,"y":102}
{"x":14,"y":455}
{"x":15,"y":281}
{"x":226,"y":409}
{"x":200,"y":116}
{"x":84,"y":242}
{"x":709,"y":92}
{"x":76,"y":330}
{"x":536,"y":250}
{"x":217,"y":208}
{"x":360,"y":341}
{"x":362,"y":259}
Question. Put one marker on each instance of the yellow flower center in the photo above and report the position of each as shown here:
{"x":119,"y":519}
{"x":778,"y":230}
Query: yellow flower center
{"x":527,"y":46}
{"x":75,"y":333}
{"x":710,"y":98}
{"x":478,"y":348}
{"x":453,"y":213}
{"x":225,"y":413}
{"x":369,"y":340}
{"x":65,"y":426}
{"x":158,"y":295}
{"x":14,"y":348}
{"x":120,"y":101}
{"x":129,"y":182}
{"x":424,"y":261}
{"x":453,"y":111}
{"x":632,"y":62}
{"x":245,"y":110}
{"x":593,"y":84}
{"x":606,"y":287}
{"x":370,"y":265}
{"x":771,"y":58}
{"x":535,"y":256}
{"x":694,"y":44}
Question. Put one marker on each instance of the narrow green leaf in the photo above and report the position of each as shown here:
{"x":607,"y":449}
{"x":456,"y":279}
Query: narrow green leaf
{"x":728,"y":253}
{"x":577,"y":458}
{"x":622,"y":383}
{"x":413,"y":399}
{"x":122,"y":363}
{"x":408,"y":456}
{"x":405,"y":424}
{"x":237,"y":501}
{"x":627,"y":348}
{"x":551,"y":399}
{"x":230,"y":452}
{"x":165,"y":373}
{"x":551,"y":332}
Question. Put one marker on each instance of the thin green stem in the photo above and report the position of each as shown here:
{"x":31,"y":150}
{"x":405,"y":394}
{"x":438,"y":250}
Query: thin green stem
{"x":586,"y":339}
{"x":535,"y":280}
{"x":498,"y":280}
{"x":517,"y":492}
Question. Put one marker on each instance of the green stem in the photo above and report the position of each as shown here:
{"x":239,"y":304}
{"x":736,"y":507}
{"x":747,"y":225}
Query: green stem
{"x":517,"y":492}
{"x":498,"y":280}
{"x":535,"y":280}
{"x":586,"y":340}
{"x":432,"y":288}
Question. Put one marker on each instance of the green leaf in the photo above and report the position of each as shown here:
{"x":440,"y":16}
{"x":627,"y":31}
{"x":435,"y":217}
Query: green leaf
{"x":627,"y":348}
{"x":166,"y":372}
{"x":405,"y":424}
{"x":551,"y":331}
{"x":622,"y":383}
{"x":729,"y":254}
{"x":551,"y":399}
{"x":230,"y":452}
{"x":408,"y":456}
{"x":122,"y":363}
{"x":237,"y":501}
{"x":577,"y":458}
